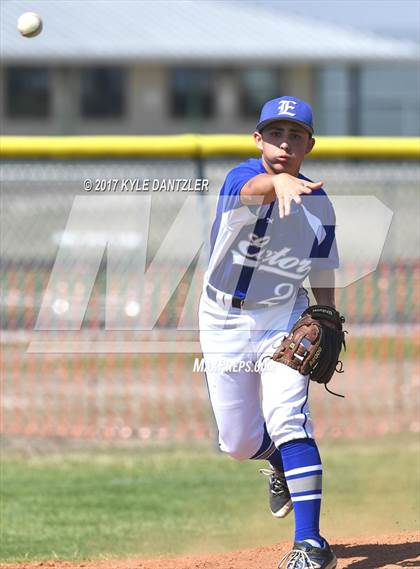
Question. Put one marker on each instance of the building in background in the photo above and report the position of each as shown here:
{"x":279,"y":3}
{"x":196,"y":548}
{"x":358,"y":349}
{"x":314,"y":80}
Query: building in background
{"x":152,"y":67}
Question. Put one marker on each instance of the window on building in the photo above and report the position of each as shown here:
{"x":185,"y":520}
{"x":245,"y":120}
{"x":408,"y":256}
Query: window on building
{"x":102,"y":92}
{"x":256,"y":87}
{"x":333,"y":101}
{"x":390,"y":100}
{"x":27,"y":92}
{"x":192,"y":94}
{"x":369,"y":99}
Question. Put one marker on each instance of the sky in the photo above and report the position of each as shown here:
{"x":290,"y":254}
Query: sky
{"x":398,"y":18}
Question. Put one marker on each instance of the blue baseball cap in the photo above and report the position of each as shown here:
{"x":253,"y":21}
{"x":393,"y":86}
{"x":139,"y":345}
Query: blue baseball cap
{"x":286,"y":108}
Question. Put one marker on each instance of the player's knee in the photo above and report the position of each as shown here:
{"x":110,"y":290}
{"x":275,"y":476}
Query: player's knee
{"x":236,"y":453}
{"x":239,"y":449}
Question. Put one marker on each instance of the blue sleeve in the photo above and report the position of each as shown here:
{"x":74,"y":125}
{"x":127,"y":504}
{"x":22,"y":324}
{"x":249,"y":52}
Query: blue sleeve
{"x":324,"y":254}
{"x":235,"y":181}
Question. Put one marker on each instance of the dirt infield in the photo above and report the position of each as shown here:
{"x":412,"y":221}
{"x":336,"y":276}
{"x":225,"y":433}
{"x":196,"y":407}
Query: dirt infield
{"x":383,"y":552}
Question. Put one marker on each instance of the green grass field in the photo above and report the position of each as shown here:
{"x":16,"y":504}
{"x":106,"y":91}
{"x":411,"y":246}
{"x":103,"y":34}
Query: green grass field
{"x":151,"y":502}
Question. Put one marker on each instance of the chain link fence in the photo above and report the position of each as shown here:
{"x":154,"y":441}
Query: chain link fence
{"x":151,"y":397}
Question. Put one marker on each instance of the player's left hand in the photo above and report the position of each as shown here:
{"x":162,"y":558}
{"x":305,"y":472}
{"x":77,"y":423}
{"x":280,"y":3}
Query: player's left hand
{"x":313,"y":346}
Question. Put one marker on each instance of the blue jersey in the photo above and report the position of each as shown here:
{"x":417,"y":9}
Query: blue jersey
{"x":256,"y":254}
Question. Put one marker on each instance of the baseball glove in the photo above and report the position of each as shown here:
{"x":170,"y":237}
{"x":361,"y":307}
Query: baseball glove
{"x":313,"y":346}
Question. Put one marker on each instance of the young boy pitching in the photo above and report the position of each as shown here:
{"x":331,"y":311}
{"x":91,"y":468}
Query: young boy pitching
{"x":273,"y":228}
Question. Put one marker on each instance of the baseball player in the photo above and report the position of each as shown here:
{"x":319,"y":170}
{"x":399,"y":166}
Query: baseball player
{"x":273,"y":228}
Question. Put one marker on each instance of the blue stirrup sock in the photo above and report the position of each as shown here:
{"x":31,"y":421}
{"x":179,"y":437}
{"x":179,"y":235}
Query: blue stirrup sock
{"x":269,"y":451}
{"x":303,"y":471}
{"x":276,"y":460}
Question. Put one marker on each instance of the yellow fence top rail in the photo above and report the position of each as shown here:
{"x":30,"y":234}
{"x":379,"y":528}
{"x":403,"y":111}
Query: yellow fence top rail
{"x":199,"y":146}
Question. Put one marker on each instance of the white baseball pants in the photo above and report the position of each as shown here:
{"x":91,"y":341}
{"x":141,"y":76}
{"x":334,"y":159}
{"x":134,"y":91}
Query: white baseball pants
{"x":244,"y":392}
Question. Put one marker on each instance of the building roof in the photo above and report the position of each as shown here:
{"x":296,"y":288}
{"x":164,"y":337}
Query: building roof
{"x":186,"y":31}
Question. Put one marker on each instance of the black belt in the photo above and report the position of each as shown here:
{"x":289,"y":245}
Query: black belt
{"x":236,"y":302}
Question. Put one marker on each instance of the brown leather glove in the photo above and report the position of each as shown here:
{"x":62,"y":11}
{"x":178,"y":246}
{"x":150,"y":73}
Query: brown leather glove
{"x":313,"y":346}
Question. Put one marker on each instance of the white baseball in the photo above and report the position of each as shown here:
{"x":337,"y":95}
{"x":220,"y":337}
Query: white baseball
{"x":29,"y":24}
